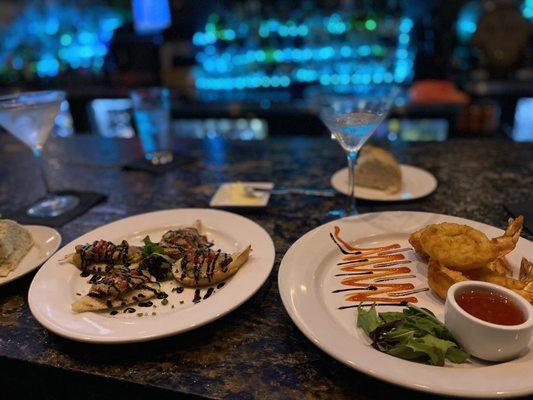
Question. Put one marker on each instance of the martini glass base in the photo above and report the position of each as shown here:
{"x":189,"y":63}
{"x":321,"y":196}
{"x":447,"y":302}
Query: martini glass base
{"x":52,"y":206}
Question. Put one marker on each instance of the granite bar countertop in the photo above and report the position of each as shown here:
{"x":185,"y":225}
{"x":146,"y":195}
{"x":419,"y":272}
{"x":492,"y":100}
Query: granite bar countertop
{"x":255,"y":351}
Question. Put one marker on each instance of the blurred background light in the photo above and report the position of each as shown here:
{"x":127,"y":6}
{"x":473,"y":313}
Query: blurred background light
{"x":336,"y":48}
{"x":522,"y":130}
{"x":46,"y":38}
{"x":467,"y":20}
{"x":150,"y":16}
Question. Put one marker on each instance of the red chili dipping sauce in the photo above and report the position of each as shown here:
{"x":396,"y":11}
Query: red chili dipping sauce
{"x":490,"y":307}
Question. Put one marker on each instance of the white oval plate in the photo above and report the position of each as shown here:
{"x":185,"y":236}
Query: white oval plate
{"x":54,"y":288}
{"x":46,"y":241}
{"x":307,"y":280}
{"x":416,"y":183}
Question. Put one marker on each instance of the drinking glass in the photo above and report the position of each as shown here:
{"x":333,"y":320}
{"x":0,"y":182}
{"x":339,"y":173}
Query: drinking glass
{"x":30,"y":116}
{"x":151,"y":111}
{"x":352,"y":118}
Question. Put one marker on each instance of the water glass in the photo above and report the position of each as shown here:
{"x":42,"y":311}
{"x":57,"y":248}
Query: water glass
{"x":151,"y":111}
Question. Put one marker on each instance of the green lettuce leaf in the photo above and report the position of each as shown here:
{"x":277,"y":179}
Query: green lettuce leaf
{"x":435,"y":356}
{"x":400,"y":335}
{"x":413,"y":334}
{"x":368,"y":320}
{"x":457,"y":355}
{"x":406,"y":352}
{"x":391,"y":316}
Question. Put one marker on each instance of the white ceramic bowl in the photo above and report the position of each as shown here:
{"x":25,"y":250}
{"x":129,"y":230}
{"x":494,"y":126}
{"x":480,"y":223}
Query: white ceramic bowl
{"x":485,"y":340}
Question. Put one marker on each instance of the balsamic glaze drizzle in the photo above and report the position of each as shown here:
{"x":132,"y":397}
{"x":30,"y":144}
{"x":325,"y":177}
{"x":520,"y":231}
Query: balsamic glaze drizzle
{"x":353,"y":262}
{"x":209,"y":292}
{"x":356,"y":273}
{"x":350,"y":289}
{"x":399,"y":304}
{"x":340,"y":247}
{"x":197,"y":296}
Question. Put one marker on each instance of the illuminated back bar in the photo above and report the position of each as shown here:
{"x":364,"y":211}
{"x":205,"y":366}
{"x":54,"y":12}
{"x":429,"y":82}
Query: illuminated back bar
{"x":242,"y":48}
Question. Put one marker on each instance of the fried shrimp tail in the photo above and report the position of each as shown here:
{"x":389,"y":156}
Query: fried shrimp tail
{"x":486,"y":275}
{"x":501,"y":266}
{"x":507,"y":242}
{"x":440,"y":278}
{"x":526,"y":271}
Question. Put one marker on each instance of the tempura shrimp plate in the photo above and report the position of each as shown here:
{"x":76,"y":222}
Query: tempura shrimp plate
{"x":459,"y":252}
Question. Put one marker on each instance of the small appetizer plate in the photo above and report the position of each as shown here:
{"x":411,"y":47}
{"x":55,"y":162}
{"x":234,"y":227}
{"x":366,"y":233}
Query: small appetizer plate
{"x":416,"y":183}
{"x":233,"y":195}
{"x":46,"y":241}
{"x":57,"y":285}
{"x":321,"y":294}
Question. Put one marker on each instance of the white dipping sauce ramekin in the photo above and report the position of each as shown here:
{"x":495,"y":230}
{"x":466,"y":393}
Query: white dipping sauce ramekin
{"x":485,"y":340}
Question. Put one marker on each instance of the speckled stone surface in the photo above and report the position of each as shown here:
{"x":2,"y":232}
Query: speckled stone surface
{"x":255,"y":351}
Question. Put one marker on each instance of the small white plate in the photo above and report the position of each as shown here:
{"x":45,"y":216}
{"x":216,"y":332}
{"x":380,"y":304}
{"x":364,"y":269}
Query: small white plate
{"x":222,"y":198}
{"x":309,"y":279}
{"x":46,"y":241}
{"x":416,"y":183}
{"x":56,"y":285}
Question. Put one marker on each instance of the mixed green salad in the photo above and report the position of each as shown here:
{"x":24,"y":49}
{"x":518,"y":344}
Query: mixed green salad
{"x":412,"y":334}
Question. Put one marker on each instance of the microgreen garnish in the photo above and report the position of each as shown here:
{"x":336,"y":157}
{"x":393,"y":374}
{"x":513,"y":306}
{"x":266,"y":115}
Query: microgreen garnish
{"x":151,"y":247}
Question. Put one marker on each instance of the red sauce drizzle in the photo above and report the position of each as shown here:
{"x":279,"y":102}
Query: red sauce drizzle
{"x":366,"y":259}
{"x":376,"y":273}
{"x":337,"y":230}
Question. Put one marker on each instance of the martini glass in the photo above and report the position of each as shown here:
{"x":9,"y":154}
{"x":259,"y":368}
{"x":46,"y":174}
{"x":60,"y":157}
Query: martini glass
{"x":30,"y":116}
{"x":352,"y":119}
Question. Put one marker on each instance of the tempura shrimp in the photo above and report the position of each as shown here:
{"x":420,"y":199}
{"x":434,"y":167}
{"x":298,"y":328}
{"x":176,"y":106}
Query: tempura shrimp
{"x":458,"y":247}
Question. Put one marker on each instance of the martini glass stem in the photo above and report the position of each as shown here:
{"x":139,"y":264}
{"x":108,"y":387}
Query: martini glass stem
{"x":38,"y":153}
{"x":352,"y":157}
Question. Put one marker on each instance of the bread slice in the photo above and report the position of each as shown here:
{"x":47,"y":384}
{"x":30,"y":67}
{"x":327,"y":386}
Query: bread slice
{"x":15,"y":242}
{"x":378,"y":169}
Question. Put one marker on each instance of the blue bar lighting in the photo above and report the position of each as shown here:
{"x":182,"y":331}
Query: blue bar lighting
{"x":47,"y":38}
{"x":150,"y":16}
{"x":237,"y":53}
